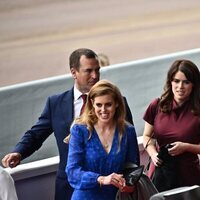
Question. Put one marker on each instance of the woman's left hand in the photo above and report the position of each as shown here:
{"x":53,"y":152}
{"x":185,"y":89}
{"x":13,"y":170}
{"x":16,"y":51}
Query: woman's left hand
{"x":177,"y":148}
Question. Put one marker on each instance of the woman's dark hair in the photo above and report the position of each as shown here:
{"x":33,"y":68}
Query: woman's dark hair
{"x":192,"y":74}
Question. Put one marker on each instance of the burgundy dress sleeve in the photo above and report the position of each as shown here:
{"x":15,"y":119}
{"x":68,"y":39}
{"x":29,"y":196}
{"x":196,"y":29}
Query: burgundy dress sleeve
{"x":151,"y":111}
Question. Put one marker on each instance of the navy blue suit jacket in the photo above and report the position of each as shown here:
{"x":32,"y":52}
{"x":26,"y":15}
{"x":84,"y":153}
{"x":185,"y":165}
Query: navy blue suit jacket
{"x":56,"y":118}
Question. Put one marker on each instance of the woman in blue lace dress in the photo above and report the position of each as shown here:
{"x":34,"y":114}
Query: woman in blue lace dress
{"x":100,"y":144}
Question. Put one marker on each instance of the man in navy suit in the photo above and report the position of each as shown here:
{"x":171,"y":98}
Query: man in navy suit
{"x":57,"y":116}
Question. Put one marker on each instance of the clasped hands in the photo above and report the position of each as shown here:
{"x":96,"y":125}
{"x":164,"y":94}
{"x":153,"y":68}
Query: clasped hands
{"x":117,"y":180}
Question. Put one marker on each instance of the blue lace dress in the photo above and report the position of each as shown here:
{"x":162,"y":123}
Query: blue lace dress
{"x":87,"y":160}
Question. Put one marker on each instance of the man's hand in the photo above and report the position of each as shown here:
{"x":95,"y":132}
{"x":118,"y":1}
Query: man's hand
{"x":11,"y":160}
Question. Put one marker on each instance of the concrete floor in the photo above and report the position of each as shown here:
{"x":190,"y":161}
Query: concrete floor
{"x":37,"y":36}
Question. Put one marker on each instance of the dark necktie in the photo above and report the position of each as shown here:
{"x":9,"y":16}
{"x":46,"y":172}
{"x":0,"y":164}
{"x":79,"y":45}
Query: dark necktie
{"x":84,"y":97}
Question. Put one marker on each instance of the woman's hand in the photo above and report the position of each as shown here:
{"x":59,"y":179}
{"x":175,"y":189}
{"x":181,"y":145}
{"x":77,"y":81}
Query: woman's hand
{"x":113,"y":179}
{"x":182,"y":147}
{"x":177,"y":148}
{"x":156,"y":161}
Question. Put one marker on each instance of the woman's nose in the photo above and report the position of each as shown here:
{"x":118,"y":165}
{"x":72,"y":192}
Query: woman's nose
{"x":103,"y":108}
{"x":181,"y":84}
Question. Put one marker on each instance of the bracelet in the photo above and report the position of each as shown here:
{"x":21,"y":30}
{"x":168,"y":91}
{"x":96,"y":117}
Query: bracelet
{"x":101,"y":180}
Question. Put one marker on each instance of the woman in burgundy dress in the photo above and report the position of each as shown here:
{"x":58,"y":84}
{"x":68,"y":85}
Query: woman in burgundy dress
{"x":173,"y":121}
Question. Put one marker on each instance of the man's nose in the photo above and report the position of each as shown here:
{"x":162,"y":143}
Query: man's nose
{"x":95,"y":74}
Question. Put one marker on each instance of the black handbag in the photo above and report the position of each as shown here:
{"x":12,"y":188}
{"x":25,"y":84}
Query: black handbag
{"x":165,"y":176}
{"x":134,"y":176}
{"x":132,"y":173}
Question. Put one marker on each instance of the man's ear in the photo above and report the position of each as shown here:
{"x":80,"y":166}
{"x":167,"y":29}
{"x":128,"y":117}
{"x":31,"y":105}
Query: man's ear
{"x":73,"y":72}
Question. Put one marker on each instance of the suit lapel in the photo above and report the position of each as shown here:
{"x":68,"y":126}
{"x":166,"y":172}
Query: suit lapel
{"x":67,"y":106}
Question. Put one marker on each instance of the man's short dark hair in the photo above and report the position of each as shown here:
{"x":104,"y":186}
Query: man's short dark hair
{"x":74,"y":59}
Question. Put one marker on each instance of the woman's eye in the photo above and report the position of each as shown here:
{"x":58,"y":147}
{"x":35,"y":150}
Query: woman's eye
{"x":183,"y":81}
{"x":186,"y":82}
{"x":98,"y":105}
{"x":176,"y":80}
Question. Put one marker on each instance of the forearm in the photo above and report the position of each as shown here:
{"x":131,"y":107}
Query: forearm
{"x":193,"y":148}
{"x":149,"y":145}
{"x":149,"y":142}
{"x":80,"y":179}
{"x":182,"y":147}
{"x":151,"y":149}
{"x":179,"y":148}
{"x":29,"y":143}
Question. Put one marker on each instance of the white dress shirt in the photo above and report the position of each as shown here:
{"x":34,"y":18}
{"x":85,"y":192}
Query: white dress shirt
{"x":78,"y":102}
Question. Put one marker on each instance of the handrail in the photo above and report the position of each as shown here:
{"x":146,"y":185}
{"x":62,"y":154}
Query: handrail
{"x":44,"y":166}
{"x":30,"y":178}
{"x":36,"y":168}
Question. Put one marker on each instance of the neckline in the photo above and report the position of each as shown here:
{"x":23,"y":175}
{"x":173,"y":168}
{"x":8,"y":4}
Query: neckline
{"x":103,"y":146}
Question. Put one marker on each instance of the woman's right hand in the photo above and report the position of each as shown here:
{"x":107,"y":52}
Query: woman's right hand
{"x":113,"y":179}
{"x":156,"y":161}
